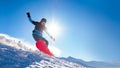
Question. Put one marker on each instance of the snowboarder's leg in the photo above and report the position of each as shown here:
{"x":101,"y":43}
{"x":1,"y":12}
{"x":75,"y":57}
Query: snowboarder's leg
{"x":36,"y":38}
{"x":43,"y":47}
{"x":42,"y":44}
{"x":45,"y":41}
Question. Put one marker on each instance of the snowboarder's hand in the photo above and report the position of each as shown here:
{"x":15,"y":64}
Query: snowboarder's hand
{"x":52,"y":38}
{"x":28,"y":14}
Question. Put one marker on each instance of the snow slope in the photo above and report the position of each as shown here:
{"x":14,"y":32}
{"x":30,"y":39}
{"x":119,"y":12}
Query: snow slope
{"x":15,"y":53}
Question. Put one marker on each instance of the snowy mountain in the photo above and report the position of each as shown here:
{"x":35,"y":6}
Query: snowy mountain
{"x":93,"y":64}
{"x":15,"y":53}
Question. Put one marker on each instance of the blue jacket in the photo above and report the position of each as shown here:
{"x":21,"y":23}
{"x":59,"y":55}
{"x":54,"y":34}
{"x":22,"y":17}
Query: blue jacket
{"x":38,"y":30}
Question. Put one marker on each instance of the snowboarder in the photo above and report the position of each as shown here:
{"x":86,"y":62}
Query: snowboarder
{"x":39,"y":28}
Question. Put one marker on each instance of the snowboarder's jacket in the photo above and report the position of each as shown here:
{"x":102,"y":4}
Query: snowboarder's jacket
{"x":38,"y":30}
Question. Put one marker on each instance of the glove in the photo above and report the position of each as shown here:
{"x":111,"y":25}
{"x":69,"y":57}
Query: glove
{"x":52,"y":38}
{"x":28,"y":14}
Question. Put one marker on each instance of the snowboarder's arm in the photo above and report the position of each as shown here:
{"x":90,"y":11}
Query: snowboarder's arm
{"x":30,"y":19}
{"x":49,"y":34}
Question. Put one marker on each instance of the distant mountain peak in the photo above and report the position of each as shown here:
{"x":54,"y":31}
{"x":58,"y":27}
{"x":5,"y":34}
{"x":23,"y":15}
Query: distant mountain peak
{"x":70,"y":57}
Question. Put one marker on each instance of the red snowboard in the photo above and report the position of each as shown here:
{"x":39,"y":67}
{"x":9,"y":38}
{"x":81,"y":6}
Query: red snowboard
{"x":40,"y":44}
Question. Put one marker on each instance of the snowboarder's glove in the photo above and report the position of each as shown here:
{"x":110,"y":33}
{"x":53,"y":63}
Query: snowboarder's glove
{"x":28,"y":14}
{"x":52,"y":38}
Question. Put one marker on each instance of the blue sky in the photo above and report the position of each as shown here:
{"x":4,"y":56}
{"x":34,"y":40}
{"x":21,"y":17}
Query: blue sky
{"x":90,"y":28}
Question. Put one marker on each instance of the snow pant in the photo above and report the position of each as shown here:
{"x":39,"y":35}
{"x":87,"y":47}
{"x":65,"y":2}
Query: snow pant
{"x":36,"y":38}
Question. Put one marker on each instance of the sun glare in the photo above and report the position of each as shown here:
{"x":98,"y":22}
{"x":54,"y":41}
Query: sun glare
{"x":55,"y":50}
{"x":54,"y":29}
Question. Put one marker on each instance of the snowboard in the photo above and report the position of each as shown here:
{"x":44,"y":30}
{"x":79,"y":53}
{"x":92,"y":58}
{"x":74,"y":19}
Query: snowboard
{"x":41,"y":45}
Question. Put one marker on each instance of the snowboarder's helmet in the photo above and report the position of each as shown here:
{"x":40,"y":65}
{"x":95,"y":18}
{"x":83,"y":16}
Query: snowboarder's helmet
{"x":43,"y":20}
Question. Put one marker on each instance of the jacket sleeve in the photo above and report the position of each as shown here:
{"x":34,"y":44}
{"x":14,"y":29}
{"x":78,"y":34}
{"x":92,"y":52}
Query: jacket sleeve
{"x":33,"y":22}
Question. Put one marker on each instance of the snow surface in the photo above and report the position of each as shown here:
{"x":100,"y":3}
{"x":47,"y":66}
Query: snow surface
{"x":18,"y":54}
{"x":15,"y":53}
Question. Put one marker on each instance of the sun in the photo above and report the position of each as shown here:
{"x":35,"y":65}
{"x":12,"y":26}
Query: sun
{"x":54,"y":29}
